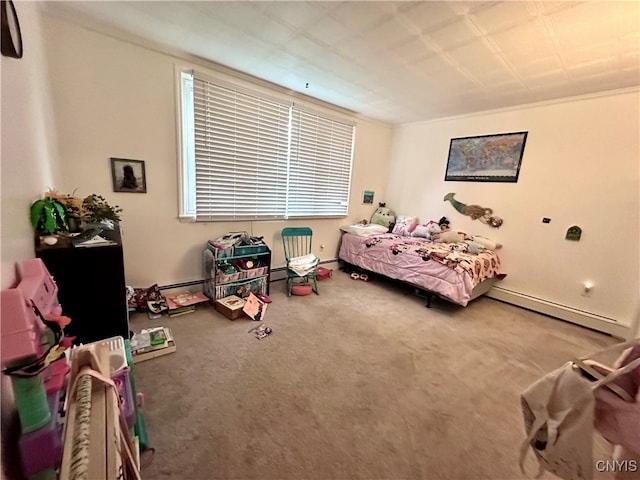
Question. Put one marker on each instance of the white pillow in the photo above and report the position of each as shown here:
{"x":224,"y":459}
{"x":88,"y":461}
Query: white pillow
{"x":405,"y":225}
{"x":365,"y":230}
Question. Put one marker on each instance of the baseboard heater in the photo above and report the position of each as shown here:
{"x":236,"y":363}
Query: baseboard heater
{"x":277,"y":271}
{"x":563,"y":312}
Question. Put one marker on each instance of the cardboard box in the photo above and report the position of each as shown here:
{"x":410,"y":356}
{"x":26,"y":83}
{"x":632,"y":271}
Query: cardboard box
{"x":231,"y":306}
{"x":256,"y":307}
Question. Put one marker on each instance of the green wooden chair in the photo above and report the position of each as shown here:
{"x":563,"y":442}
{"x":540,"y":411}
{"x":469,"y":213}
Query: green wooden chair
{"x":297,"y":244}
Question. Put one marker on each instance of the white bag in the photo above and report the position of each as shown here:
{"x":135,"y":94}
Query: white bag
{"x":558,"y":414}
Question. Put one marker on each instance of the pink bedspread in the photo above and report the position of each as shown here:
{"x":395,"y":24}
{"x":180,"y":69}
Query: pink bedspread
{"x":442,"y":268}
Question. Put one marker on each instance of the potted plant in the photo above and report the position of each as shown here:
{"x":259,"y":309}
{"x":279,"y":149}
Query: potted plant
{"x":72,"y":206}
{"x":96,"y":209}
{"x":48,"y":216}
{"x":66,"y":212}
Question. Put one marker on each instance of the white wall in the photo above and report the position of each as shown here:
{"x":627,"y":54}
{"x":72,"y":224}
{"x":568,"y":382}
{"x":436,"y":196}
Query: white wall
{"x":114,"y":99}
{"x":29,"y":149}
{"x":29,"y":166}
{"x":580,"y":167}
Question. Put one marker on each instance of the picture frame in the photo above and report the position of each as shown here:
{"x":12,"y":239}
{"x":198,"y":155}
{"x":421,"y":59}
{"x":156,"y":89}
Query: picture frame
{"x":128,"y":175}
{"x":367,"y":196}
{"x":486,"y":158}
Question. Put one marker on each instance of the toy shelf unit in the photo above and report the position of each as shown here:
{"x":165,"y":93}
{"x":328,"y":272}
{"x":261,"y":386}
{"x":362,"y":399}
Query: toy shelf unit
{"x":236,"y":271}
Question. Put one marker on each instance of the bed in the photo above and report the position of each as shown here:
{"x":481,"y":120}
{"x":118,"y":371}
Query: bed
{"x":446,"y":270}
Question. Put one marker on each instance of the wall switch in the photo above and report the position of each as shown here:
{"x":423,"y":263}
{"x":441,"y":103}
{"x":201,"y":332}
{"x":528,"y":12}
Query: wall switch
{"x":546,"y":220}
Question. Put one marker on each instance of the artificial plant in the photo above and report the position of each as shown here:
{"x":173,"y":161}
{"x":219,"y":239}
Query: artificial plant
{"x":48,"y":216}
{"x":96,"y":208}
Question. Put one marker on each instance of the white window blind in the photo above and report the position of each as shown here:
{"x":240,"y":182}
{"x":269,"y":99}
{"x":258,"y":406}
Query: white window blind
{"x":241,"y":144}
{"x":256,"y":157}
{"x":320,"y":165}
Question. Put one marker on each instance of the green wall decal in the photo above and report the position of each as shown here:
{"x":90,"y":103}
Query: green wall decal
{"x":574,"y":233}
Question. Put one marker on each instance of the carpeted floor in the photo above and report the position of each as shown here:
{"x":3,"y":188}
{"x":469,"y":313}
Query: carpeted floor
{"x":360,"y":382}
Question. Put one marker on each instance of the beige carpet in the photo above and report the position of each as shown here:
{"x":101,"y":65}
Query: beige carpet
{"x":360,"y":382}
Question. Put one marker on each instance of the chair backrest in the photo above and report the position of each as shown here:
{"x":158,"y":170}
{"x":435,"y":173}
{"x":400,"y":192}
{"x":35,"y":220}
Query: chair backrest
{"x":296,"y":241}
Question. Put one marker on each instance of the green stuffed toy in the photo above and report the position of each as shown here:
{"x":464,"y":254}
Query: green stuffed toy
{"x":383,"y":216}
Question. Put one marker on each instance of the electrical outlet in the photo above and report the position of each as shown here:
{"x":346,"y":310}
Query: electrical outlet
{"x":546,"y":220}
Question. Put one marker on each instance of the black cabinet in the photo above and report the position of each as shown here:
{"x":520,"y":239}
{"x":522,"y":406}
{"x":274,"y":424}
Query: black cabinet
{"x":91,"y":286}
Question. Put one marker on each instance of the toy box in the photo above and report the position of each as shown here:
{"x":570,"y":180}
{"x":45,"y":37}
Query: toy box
{"x":231,"y":306}
{"x":324,"y":273}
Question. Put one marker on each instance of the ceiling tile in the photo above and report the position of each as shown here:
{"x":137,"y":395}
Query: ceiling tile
{"x":476,"y":56}
{"x":503,"y":16}
{"x":426,"y":16}
{"x":386,"y":34}
{"x":304,"y":48}
{"x":529,"y":41}
{"x":394,"y":61}
{"x":360,"y":16}
{"x":591,"y":69}
{"x":413,"y":49}
{"x":457,"y":33}
{"x":606,"y":52}
{"x":574,"y":26}
{"x":548,"y":79}
{"x":533,"y":67}
{"x":298,"y":17}
{"x":330,"y":32}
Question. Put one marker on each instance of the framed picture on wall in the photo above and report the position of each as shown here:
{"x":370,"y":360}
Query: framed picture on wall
{"x":486,"y":158}
{"x":128,"y":175}
{"x":367,"y":196}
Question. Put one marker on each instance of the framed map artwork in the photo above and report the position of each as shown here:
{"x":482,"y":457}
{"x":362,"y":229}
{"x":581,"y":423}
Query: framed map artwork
{"x":486,"y":158}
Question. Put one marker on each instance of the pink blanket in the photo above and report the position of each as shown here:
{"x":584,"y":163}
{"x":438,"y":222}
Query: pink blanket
{"x":442,"y":268}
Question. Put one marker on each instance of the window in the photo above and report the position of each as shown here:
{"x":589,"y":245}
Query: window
{"x":248,"y":156}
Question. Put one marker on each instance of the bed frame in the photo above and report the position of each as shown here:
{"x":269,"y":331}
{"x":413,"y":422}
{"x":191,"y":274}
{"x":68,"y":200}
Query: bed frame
{"x":444,"y":270}
{"x":479,"y":290}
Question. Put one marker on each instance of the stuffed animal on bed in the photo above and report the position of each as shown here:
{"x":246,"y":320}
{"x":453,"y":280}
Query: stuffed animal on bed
{"x":383,"y":216}
{"x":426,"y":230}
{"x":449,"y":237}
{"x":486,"y":242}
{"x":444,"y":224}
{"x":474,"y":247}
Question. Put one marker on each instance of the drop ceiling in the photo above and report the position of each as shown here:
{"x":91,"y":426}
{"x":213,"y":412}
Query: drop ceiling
{"x":396,"y":62}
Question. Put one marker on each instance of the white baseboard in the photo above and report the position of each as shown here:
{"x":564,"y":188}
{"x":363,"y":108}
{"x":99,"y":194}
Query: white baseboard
{"x":556,"y":310}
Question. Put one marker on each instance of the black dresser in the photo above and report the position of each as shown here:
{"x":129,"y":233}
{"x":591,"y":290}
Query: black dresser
{"x":91,"y":285}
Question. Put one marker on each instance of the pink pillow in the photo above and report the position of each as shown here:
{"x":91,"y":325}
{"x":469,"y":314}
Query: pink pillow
{"x":405,"y":225}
